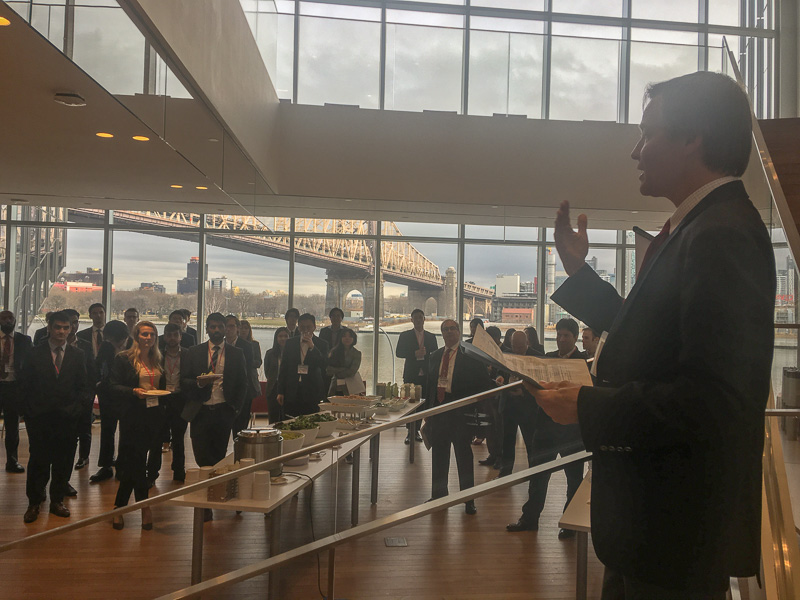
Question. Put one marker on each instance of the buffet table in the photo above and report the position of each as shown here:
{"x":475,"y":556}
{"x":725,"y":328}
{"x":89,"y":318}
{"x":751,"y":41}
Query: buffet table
{"x":279,"y":494}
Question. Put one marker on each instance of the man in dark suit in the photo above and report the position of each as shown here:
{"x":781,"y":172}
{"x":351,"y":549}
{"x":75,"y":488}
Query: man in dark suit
{"x":54,"y":385}
{"x":416,"y":346}
{"x":232,"y":337}
{"x":300,"y":383}
{"x":330,"y":335}
{"x":676,"y":422}
{"x":94,"y":334}
{"x":452,"y":375}
{"x":84,"y":424}
{"x":14,"y":351}
{"x":292,"y":317}
{"x":41,"y":333}
{"x":175,"y":425}
{"x":212,"y":402}
{"x":186,"y":339}
{"x":549,"y":439}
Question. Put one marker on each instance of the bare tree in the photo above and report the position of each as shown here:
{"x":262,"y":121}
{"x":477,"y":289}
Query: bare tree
{"x":243,"y":300}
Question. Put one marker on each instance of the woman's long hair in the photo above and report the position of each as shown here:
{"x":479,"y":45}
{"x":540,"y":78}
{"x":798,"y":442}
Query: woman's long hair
{"x":275,"y":345}
{"x":134,"y":353}
{"x":337,"y":354}
{"x":249,"y":337}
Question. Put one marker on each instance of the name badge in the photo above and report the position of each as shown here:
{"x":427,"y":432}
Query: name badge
{"x":443,"y":381}
{"x":302,"y":369}
{"x":151,"y":402}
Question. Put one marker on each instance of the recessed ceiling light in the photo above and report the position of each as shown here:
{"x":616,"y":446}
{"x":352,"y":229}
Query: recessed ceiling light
{"x":201,"y":187}
{"x":18,"y":201}
{"x":634,"y":212}
{"x":4,"y":22}
{"x":141,"y":138}
{"x":347,"y":200}
{"x":495,"y":206}
{"x":69,"y":99}
{"x":104,"y":135}
{"x":213,"y":140}
{"x":177,"y":187}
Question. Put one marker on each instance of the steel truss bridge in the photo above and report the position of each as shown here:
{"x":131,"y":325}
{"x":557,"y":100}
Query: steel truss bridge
{"x":401,"y":262}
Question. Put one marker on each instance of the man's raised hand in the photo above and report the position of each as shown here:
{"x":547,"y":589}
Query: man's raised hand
{"x":572,"y":246}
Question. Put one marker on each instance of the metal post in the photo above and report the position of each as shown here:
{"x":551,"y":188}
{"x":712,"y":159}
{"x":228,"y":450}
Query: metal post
{"x":377,"y":311}
{"x":10,"y":282}
{"x":274,"y":550}
{"x":295,"y":58}
{"x":375,"y":446}
{"x":69,"y":28}
{"x":202,"y":274}
{"x":356,"y":483}
{"x":546,"y":62}
{"x":541,"y":300}
{"x":108,"y":260}
{"x":465,"y":65}
{"x":291,"y":263}
{"x":460,"y":279}
{"x":382,"y":76}
{"x":583,"y":556}
{"x":331,"y":572}
{"x":197,"y":545}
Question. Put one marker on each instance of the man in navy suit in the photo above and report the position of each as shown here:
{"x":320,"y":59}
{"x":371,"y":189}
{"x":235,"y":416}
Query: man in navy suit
{"x":14,"y":349}
{"x":416,"y":346}
{"x":676,"y":421}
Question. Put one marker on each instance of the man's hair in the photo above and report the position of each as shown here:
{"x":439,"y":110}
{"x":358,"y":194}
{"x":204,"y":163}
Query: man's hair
{"x":215,"y":317}
{"x":714,"y":107}
{"x":115,"y":331}
{"x":306,"y":317}
{"x":60,"y":315}
{"x":235,"y":319}
{"x":170,"y":327}
{"x":292,"y":311}
{"x":570,"y":325}
{"x":494,"y":332}
{"x":477,"y":321}
{"x":417,"y":310}
{"x":594,"y":333}
{"x":72,"y":312}
{"x":131,"y":309}
{"x":186,"y":312}
{"x":178,"y":312}
{"x":336,"y":309}
{"x":96,"y":305}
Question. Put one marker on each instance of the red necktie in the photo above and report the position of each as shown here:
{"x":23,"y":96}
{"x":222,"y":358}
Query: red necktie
{"x":440,"y":391}
{"x":656,"y":244}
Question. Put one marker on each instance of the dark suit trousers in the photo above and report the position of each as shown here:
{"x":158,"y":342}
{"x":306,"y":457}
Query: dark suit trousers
{"x":10,"y":403}
{"x":274,"y":410}
{"x":418,"y":380}
{"x":109,"y":417}
{"x":210,"y":431}
{"x":242,"y":420}
{"x":174,"y":430}
{"x":138,"y":429}
{"x":550,"y":440}
{"x":517,"y":413}
{"x":494,"y":434}
{"x":450,"y":430}
{"x":84,"y":429}
{"x":52,"y":441}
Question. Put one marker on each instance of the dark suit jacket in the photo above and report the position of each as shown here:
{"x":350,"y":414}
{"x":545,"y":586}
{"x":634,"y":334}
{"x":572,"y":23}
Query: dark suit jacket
{"x":38,"y":335}
{"x":45,"y":391}
{"x":406,"y":347}
{"x":326,"y":334}
{"x":124,"y":378}
{"x":234,"y":379}
{"x":271,"y":369}
{"x":554,"y":354}
{"x":303,"y":392}
{"x":677,"y":430}
{"x":92,"y":374}
{"x":193,"y":333}
{"x":22,"y":349}
{"x":85,"y":334}
{"x":469,"y":377}
{"x":247,"y":348}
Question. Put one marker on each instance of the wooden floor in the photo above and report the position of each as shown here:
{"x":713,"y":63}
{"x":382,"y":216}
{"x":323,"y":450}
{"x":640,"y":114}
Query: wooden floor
{"x":449,"y":555}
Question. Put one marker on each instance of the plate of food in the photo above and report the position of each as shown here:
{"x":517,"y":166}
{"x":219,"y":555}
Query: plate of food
{"x":157,"y":393}
{"x":210,"y":376}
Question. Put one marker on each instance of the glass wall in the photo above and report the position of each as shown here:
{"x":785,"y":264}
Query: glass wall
{"x":564,"y":59}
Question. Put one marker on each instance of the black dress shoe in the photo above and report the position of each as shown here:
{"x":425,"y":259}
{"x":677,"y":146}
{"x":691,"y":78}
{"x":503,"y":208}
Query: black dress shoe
{"x":503,"y":473}
{"x":58,"y":509}
{"x":418,"y":437}
{"x":565,"y":534}
{"x":31,"y":514}
{"x":488,"y":461}
{"x":71,"y":492}
{"x":179,"y":476}
{"x":522,"y":526}
{"x":407,"y":440}
{"x":101,"y":475}
{"x":82,"y":462}
{"x":470,"y":507}
{"x":14,"y":467}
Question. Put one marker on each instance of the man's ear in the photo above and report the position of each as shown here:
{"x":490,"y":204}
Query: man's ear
{"x":694,"y":146}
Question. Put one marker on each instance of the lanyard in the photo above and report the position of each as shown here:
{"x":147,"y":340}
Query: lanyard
{"x":151,"y":375}
{"x":171,"y":369}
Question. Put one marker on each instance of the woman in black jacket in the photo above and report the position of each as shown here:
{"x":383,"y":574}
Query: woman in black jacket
{"x":272,"y":366}
{"x":134,"y":374}
{"x":246,"y":332}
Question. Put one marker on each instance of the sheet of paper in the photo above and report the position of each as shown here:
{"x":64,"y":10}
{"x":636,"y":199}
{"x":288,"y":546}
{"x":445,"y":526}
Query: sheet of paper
{"x":528,"y":368}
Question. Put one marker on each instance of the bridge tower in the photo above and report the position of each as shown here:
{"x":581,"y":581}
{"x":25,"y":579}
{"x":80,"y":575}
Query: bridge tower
{"x":341,"y":282}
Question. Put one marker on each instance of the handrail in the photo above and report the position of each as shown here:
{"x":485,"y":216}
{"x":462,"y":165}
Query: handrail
{"x":262,"y":466}
{"x":398,"y":518}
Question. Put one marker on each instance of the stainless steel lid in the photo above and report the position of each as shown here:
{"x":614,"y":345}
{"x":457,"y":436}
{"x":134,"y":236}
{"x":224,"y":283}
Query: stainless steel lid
{"x":260,"y":434}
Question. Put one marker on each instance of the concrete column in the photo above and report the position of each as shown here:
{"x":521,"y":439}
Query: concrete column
{"x":450,"y":296}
